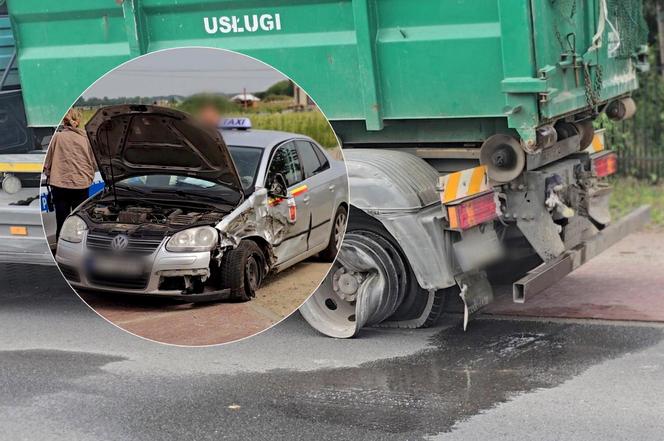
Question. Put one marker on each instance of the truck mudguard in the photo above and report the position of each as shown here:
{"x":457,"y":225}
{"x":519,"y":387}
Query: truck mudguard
{"x":399,"y":190}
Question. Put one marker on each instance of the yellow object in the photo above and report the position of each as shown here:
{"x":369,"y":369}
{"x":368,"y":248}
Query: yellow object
{"x":598,"y":144}
{"x":18,"y":231}
{"x":20,"y":167}
{"x":464,"y":183}
{"x":454,"y":218}
{"x":299,"y":190}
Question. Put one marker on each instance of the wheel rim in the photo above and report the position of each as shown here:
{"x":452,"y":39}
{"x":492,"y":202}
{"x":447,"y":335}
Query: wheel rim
{"x":339,"y":229}
{"x":252,"y":273}
{"x":361,"y":289}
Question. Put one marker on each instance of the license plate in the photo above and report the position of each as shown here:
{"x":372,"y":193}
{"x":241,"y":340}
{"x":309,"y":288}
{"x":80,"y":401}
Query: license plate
{"x":116,"y":266}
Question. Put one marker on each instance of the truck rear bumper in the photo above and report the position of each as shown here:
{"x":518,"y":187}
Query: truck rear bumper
{"x":550,"y":273}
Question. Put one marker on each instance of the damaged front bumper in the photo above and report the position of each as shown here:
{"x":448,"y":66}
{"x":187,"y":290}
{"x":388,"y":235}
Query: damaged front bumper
{"x":163,"y":273}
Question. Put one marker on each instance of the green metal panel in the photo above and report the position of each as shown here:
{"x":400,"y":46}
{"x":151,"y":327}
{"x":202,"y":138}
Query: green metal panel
{"x":563,"y":35}
{"x":465,"y":67}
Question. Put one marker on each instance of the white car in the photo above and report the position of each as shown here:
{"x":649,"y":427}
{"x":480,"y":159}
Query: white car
{"x":191,"y":214}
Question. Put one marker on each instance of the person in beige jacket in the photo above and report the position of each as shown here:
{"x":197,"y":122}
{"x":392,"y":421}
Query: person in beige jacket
{"x":69,"y":167}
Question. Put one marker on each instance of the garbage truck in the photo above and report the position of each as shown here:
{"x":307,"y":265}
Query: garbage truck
{"x":467,"y":126}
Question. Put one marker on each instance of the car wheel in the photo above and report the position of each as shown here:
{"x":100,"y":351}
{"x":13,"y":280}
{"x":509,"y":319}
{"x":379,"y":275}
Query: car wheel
{"x":336,"y":235}
{"x":243,"y":270}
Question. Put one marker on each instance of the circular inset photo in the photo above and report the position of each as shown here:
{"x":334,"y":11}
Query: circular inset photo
{"x":194,"y":196}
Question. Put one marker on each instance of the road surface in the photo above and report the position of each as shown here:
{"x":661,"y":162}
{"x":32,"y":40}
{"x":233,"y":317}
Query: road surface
{"x":67,"y":374}
{"x":189,"y":324}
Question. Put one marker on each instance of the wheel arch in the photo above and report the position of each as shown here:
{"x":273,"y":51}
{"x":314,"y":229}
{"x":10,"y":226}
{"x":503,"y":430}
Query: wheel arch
{"x":266,"y":248}
{"x":400,"y":191}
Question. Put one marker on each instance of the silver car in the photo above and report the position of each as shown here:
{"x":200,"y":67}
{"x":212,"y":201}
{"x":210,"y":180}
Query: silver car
{"x":196,"y":213}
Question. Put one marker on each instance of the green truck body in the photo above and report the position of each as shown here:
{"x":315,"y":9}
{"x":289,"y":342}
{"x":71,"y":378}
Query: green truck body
{"x":453,"y":71}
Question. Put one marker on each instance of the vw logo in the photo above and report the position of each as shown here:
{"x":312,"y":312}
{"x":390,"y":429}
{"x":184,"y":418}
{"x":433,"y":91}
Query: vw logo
{"x":119,"y":242}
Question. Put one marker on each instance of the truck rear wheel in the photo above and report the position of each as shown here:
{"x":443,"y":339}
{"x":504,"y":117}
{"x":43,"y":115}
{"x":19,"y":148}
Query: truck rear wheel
{"x":243,"y":270}
{"x":370,"y":284}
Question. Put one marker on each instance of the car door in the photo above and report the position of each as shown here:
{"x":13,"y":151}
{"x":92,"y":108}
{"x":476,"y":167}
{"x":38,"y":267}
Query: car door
{"x":293,"y":242}
{"x":321,"y":197}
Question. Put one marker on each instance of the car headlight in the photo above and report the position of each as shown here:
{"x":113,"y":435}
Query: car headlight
{"x":73,"y":229}
{"x":193,"y":239}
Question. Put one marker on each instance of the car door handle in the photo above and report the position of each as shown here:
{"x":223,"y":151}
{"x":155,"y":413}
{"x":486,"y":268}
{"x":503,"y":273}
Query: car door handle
{"x":306,"y":199}
{"x":331,"y":187}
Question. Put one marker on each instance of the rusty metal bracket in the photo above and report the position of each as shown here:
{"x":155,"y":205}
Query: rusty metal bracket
{"x":551,"y":154}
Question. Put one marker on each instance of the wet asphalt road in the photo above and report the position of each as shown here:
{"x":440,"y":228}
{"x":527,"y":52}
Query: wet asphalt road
{"x":67,"y":374}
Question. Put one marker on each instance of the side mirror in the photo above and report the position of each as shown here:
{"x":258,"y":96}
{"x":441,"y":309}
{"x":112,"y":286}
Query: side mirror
{"x":277,"y":187}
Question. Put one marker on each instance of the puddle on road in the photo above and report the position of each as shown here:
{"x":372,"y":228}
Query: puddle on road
{"x":466,"y":373}
{"x":396,"y":399}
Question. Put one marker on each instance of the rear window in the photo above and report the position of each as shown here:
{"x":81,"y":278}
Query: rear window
{"x":311,"y":158}
{"x":325,"y":164}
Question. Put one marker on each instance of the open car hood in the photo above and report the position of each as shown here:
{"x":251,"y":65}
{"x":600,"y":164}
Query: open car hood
{"x":136,"y":140}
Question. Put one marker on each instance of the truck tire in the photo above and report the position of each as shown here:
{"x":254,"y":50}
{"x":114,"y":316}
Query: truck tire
{"x":414,"y":299}
{"x":336,"y":235}
{"x":243,"y":270}
{"x":370,"y":283}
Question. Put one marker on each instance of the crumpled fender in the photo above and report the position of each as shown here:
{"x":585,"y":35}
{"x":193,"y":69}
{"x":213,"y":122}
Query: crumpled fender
{"x":253,"y":218}
{"x":399,"y":190}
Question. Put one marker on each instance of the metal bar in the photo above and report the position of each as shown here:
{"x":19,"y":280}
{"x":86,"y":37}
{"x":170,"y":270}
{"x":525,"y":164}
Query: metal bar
{"x":365,"y":30}
{"x":555,"y":152}
{"x":550,"y":273}
{"x":5,"y":74}
{"x":443,"y":152}
{"x":134,"y":27}
{"x":518,"y":56}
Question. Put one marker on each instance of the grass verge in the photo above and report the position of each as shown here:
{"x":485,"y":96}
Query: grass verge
{"x":629,"y":193}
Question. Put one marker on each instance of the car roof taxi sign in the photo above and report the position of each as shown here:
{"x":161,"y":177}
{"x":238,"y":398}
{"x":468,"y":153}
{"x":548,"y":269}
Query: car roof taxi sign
{"x":235,"y":123}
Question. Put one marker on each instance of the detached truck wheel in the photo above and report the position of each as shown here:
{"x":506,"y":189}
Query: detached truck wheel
{"x":370,"y":284}
{"x":242,"y":270}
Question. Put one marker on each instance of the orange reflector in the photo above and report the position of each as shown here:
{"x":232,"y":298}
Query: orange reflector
{"x":18,"y":231}
{"x":605,"y":165}
{"x":472,"y":212}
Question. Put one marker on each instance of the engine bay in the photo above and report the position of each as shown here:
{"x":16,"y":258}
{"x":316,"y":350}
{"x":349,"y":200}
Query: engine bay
{"x":131,"y":212}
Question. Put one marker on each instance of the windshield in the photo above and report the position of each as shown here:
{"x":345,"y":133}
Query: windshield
{"x":247,"y":160}
{"x":186,"y":185}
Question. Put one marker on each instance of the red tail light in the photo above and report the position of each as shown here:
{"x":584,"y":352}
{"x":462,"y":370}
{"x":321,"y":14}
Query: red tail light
{"x":472,"y":212}
{"x":605,"y":165}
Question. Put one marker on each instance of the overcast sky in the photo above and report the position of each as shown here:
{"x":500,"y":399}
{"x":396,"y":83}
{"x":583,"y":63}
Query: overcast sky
{"x":185,"y":71}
